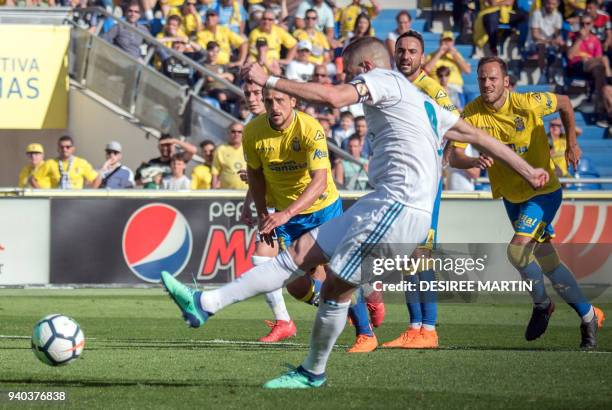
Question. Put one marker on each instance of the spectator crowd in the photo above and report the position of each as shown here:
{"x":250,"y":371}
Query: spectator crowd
{"x":567,"y":39}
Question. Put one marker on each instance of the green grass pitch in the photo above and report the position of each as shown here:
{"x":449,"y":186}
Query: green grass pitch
{"x":139,"y":353}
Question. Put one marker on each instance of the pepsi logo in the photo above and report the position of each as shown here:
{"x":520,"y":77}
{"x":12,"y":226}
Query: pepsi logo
{"x":157,"y":237}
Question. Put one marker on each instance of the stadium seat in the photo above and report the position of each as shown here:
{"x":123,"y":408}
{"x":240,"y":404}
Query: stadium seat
{"x":535,"y":88}
{"x":586,"y":169}
{"x":592,"y":132}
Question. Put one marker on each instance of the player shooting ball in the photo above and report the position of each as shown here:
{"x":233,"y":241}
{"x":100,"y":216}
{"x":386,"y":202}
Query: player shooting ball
{"x":404,"y":171}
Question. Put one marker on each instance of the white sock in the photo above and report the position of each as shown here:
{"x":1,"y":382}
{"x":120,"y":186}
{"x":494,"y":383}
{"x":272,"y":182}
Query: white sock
{"x":589,"y":316}
{"x":277,"y":304}
{"x":329,"y":322}
{"x":275,"y":299}
{"x":429,"y":327}
{"x":416,"y":325}
{"x":268,"y":277}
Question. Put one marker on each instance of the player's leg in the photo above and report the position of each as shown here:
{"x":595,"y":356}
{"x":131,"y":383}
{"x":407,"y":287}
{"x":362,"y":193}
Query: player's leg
{"x":308,"y":287}
{"x":561,"y":277}
{"x":373,"y":221}
{"x":525,"y":220}
{"x":197,"y":306}
{"x":282,"y":327}
{"x":328,"y":325}
{"x":365,"y":339}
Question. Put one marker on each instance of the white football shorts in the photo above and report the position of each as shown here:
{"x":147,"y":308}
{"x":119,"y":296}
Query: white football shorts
{"x":375,"y":226}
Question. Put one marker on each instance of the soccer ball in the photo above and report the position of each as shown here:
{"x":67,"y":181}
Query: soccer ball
{"x":57,"y":340}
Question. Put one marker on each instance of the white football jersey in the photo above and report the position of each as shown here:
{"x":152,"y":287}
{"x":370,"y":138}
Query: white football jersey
{"x":406,"y":128}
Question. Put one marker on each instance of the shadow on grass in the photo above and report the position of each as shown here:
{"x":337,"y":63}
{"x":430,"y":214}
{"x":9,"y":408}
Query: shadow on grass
{"x":125,"y":383}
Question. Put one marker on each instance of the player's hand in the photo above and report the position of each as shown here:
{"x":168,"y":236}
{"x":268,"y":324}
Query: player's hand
{"x":538,"y":178}
{"x":484,"y":161}
{"x":271,"y":221}
{"x":254,"y":73}
{"x":246,"y":217}
{"x":243,"y":176}
{"x":572,"y":155}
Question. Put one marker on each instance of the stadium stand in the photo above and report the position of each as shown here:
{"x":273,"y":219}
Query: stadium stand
{"x":168,"y":86}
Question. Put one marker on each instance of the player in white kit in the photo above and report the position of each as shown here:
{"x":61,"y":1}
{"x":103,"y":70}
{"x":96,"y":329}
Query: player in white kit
{"x":404,"y":171}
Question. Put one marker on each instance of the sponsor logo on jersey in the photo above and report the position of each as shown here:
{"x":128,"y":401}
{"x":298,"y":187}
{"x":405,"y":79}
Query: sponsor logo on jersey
{"x":156,"y":238}
{"x":318,"y":154}
{"x":287,"y":166}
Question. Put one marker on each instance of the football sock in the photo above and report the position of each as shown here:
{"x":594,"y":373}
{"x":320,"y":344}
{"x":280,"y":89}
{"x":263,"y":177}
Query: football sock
{"x":533,"y":274}
{"x":314,"y":293}
{"x":358,"y":312}
{"x":429,"y":305}
{"x":274,"y":299}
{"x":329,"y":322}
{"x":566,"y":286}
{"x":268,"y":277}
{"x":413,"y":302}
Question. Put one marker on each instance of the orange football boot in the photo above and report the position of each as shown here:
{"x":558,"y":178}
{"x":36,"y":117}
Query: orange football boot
{"x":600,"y":316}
{"x":279,"y":330}
{"x":364,"y":344}
{"x":427,"y":339}
{"x":403,"y":339}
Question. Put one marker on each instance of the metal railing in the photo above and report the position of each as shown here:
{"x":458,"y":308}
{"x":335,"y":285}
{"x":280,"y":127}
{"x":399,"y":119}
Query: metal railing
{"x":153,"y":99}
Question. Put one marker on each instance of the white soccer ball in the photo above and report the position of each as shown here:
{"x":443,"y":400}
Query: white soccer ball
{"x":57,"y":340}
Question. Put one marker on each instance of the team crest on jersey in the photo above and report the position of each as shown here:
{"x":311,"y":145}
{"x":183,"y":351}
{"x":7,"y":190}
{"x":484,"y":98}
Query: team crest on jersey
{"x":295,"y":145}
{"x":519,"y":124}
{"x":319,"y":136}
{"x":537,"y":97}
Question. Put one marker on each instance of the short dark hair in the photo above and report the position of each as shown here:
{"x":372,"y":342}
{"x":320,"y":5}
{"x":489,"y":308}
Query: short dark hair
{"x":407,"y":14}
{"x":64,"y":138}
{"x":165,"y":136}
{"x":595,"y":2}
{"x":211,"y":45}
{"x":354,"y":137}
{"x":206,"y":142}
{"x":174,"y":17}
{"x":360,"y":118}
{"x":346,"y":114}
{"x":442,"y":70}
{"x":179,"y":157}
{"x":494,"y":59}
{"x":311,"y":11}
{"x":413,"y":34}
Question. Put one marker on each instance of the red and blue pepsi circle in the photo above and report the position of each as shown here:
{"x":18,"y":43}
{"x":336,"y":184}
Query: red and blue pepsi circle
{"x":156,"y":238}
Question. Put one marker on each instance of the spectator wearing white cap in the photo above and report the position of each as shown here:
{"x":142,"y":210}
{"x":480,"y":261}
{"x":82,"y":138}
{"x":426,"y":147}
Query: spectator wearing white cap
{"x":301,"y":69}
{"x":34,"y":175}
{"x":114,"y":174}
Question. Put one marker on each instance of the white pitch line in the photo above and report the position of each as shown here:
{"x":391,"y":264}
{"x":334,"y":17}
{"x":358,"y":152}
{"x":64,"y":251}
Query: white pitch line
{"x":279,"y":344}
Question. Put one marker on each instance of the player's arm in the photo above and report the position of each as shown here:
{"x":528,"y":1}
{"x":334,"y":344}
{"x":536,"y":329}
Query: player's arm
{"x":335,"y":96}
{"x":464,"y":132}
{"x":257,"y":190}
{"x":458,"y":159}
{"x":572,"y":152}
{"x":313,"y":190}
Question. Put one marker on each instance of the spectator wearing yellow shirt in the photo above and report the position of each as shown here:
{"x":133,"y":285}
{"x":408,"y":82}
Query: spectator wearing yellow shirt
{"x":227,"y":40}
{"x":192,"y":21}
{"x":447,"y":55}
{"x":69,"y":171}
{"x":275,"y":36}
{"x":172,"y":31}
{"x":229,"y":160}
{"x":201,"y":176}
{"x":320,"y":45}
{"x":349,"y":14}
{"x":34,"y":175}
{"x":363,"y":28}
